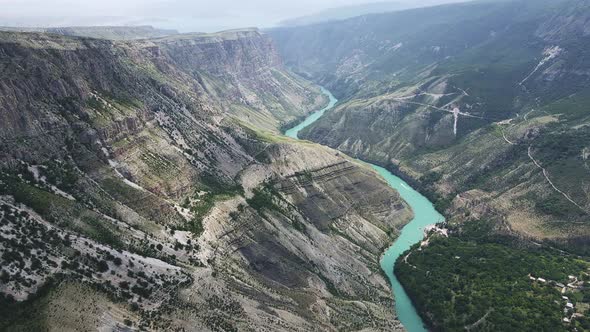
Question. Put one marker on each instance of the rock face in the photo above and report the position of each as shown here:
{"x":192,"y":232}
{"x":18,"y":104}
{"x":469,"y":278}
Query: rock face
{"x":142,"y":176}
{"x":302,"y":250}
{"x":242,"y":68}
{"x":456,"y":96}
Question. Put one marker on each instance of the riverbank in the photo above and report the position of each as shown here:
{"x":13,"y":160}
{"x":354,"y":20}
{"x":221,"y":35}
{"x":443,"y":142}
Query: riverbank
{"x":458,"y":279}
{"x":424,"y":215}
{"x":312,"y":117}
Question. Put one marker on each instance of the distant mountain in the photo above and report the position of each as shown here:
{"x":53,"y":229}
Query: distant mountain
{"x":341,"y":13}
{"x":103,"y":32}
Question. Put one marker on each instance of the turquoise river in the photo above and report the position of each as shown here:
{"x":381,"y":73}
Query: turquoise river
{"x":413,"y":232}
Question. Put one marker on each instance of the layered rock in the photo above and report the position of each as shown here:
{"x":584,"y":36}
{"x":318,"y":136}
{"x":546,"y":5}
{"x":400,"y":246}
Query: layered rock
{"x":168,"y":208}
{"x":301,"y":250}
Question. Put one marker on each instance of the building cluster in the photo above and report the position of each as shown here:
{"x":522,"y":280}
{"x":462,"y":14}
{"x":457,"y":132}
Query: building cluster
{"x":572,"y":285}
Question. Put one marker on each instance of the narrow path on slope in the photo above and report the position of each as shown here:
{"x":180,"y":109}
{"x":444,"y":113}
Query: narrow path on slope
{"x":537,"y":164}
{"x":546,"y":174}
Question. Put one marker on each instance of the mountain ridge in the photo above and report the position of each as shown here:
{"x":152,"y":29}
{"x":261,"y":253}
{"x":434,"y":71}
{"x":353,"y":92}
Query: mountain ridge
{"x":430,"y":103}
{"x":102,"y":32}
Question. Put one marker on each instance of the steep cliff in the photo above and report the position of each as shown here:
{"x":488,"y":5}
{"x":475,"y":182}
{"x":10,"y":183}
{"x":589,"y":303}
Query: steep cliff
{"x":244,"y":73}
{"x":138,"y":175}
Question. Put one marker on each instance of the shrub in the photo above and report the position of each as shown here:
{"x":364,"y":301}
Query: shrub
{"x":102,"y":266}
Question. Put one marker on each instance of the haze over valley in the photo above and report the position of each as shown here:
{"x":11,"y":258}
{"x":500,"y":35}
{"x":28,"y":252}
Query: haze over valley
{"x":189,"y":16}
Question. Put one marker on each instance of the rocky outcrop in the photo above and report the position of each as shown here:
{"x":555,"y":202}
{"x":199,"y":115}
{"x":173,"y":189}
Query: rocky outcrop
{"x":241,"y":68}
{"x":230,"y":54}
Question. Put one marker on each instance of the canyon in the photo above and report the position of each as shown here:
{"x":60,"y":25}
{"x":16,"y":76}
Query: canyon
{"x":170,"y":200}
{"x":156,"y":180}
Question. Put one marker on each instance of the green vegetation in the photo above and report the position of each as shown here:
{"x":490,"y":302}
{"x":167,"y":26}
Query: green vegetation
{"x":482,"y":281}
{"x":561,"y":152}
{"x":59,"y":210}
{"x":264,"y":198}
{"x":267,"y":198}
{"x":41,"y":201}
{"x":261,"y":134}
{"x":573,"y":107}
{"x":122,"y":191}
{"x":557,"y":205}
{"x":61,"y":174}
{"x":26,"y":315}
{"x":159,"y":165}
{"x":426,"y":186}
{"x":100,"y":231}
{"x":96,"y":104}
{"x":108,"y":107}
{"x":201,"y":204}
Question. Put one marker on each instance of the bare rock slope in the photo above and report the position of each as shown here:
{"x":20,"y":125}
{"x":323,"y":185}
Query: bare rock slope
{"x":144,"y":177}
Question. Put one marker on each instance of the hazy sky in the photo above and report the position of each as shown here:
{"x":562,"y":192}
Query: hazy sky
{"x":184,"y":15}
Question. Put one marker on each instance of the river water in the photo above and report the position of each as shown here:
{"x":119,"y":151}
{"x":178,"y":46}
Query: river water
{"x":413,"y":232}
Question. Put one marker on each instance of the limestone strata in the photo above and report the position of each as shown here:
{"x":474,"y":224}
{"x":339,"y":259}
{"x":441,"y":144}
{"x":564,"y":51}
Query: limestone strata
{"x":144,"y":167}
